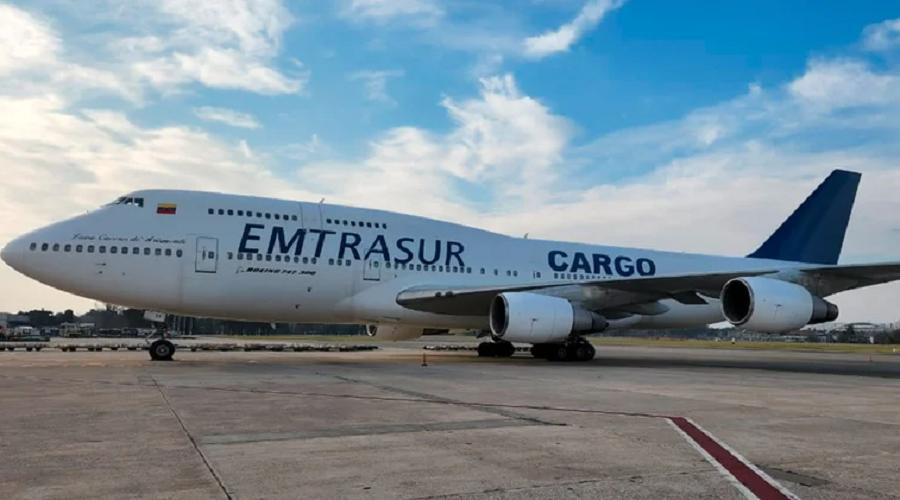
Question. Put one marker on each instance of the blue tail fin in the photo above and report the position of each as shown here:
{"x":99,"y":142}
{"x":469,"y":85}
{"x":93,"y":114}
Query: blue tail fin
{"x":814,"y":233}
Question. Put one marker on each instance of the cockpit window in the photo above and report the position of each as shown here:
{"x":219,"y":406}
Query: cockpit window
{"x":129,"y":200}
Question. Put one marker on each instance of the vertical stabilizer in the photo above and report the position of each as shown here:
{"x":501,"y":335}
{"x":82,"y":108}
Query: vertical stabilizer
{"x":814,"y":233}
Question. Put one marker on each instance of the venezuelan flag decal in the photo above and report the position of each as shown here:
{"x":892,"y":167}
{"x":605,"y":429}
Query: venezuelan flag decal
{"x":166,"y":208}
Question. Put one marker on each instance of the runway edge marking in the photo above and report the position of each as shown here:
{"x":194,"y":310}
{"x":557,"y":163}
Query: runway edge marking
{"x":752,"y":482}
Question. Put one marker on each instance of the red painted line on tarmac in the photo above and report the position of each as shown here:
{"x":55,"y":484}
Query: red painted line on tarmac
{"x":747,"y":475}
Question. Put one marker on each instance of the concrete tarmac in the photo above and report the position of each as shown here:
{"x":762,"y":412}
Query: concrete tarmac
{"x":380,"y":425}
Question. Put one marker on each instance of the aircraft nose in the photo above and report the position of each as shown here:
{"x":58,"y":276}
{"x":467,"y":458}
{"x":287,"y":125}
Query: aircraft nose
{"x":14,"y":253}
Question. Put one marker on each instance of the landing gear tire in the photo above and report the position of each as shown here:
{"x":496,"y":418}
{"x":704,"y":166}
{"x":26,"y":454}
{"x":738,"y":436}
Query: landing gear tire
{"x":162,"y":350}
{"x":541,"y":351}
{"x":584,"y":352}
{"x":559,"y":352}
{"x":496,"y":350}
{"x":580,"y":350}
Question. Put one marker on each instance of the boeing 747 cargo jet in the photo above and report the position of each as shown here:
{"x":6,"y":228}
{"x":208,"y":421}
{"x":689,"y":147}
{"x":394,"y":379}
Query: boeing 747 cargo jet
{"x":260,"y":259}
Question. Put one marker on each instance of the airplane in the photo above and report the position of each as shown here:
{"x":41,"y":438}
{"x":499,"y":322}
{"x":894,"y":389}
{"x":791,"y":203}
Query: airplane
{"x":260,"y":259}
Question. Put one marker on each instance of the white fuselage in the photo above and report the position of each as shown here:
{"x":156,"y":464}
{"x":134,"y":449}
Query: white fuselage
{"x":260,"y":259}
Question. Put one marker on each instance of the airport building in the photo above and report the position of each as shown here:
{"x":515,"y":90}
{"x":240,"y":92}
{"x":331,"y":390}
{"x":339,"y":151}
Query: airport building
{"x":9,"y":320}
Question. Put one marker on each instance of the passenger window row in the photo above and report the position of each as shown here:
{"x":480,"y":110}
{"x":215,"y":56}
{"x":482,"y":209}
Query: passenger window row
{"x":575,"y":276}
{"x":250,"y":213}
{"x":354,"y":223}
{"x":509,"y":272}
{"x":427,"y":267}
{"x":112,"y":249}
{"x":259,"y":257}
{"x":270,"y":258}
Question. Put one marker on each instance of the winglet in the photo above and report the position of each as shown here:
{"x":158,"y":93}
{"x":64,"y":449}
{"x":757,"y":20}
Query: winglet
{"x":814,"y":233}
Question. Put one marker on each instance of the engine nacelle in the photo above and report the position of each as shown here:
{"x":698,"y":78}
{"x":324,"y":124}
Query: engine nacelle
{"x":394,"y":331}
{"x":773,"y":306}
{"x":538,"y":319}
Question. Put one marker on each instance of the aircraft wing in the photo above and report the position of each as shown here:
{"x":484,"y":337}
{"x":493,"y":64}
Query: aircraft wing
{"x":834,"y":279}
{"x":685,"y":288}
{"x":476,"y":301}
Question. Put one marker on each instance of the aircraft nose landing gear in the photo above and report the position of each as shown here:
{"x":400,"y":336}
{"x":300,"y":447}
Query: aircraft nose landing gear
{"x":162,"y":350}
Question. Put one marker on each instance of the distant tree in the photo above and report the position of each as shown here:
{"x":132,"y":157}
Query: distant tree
{"x":40,"y":317}
{"x":847,"y":335}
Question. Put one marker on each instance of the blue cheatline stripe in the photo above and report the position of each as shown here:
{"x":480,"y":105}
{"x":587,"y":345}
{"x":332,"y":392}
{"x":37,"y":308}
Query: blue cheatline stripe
{"x":814,"y":233}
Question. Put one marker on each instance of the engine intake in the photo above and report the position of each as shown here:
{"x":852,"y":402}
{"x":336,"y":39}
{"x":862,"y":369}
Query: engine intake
{"x":773,"y":306}
{"x":536,"y":318}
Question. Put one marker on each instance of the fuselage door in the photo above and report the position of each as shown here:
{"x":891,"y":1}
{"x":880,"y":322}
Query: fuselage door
{"x":311,"y":215}
{"x":207,"y":255}
{"x":371,"y":270}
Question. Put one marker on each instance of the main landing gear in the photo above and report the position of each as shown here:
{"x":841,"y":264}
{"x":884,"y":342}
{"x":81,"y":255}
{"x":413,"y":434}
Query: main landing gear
{"x":496,"y":350}
{"x":162,"y":350}
{"x":573,"y":350}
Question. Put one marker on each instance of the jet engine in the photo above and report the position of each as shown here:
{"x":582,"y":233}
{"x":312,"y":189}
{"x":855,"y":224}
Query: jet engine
{"x":773,"y":306}
{"x":537,"y":319}
{"x":394,"y":331}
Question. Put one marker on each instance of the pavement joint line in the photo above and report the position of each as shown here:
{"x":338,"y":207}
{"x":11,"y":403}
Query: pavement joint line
{"x":420,"y":398}
{"x":497,"y":410}
{"x":362,"y":430}
{"x":193,"y":441}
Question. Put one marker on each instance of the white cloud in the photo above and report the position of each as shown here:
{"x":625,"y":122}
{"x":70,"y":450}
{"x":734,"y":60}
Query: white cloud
{"x":226,"y":116}
{"x":216,"y":68}
{"x":419,"y":12}
{"x":305,"y":151}
{"x":560,"y":39}
{"x":32,"y":60}
{"x":375,"y":82}
{"x":253,"y":26}
{"x":844,"y":83}
{"x":25,"y":41}
{"x":504,"y":133}
{"x":507,"y":143}
{"x":882,"y":36}
{"x":171,"y":44}
{"x":218,"y":44}
{"x":59,"y":162}
{"x":488,"y":30}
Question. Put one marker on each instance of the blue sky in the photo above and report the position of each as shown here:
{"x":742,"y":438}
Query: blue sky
{"x":645,"y":62}
{"x":692,"y":126}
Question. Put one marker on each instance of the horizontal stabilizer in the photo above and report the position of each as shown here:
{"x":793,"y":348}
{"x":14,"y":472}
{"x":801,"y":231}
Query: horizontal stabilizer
{"x":814,"y":233}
